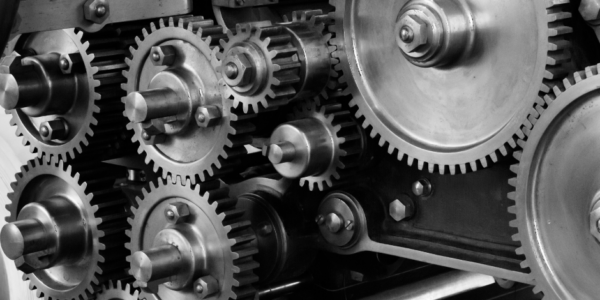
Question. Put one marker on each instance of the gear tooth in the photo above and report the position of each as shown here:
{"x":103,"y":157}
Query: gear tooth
{"x":420,"y":164}
{"x":512,"y":210}
{"x":138,"y":41}
{"x":512,"y":196}
{"x":145,"y":32}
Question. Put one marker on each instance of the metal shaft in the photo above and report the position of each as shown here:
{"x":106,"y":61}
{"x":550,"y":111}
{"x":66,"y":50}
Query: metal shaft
{"x":151,"y":104}
{"x":156,"y":263}
{"x":21,"y":89}
{"x":26,"y":236}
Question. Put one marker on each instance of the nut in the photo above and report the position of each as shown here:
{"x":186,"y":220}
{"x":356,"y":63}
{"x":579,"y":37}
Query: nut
{"x":208,"y":116}
{"x":244,"y":73}
{"x":57,"y":129}
{"x":422,"y":188}
{"x":419,"y":32}
{"x":96,"y":11}
{"x":590,"y":10}
{"x":23,"y":266}
{"x":177,"y":212}
{"x":206,"y":286}
{"x":401,"y":210}
{"x":163,"y":55}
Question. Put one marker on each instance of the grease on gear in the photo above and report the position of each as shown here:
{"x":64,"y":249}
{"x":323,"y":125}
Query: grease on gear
{"x":187,"y":226}
{"x":455,"y":107}
{"x":49,"y":204}
{"x":181,"y":121}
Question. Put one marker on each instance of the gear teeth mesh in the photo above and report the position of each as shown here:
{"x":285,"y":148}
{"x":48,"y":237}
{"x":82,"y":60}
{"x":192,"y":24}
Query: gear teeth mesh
{"x":107,"y":206}
{"x":120,"y":290}
{"x":557,"y":56}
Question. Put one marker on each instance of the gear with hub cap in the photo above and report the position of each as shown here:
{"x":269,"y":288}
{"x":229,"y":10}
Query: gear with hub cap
{"x":439,"y":90}
{"x":64,"y":96}
{"x":117,"y":291}
{"x":558,"y":192}
{"x":175,"y":105}
{"x":186,"y":245}
{"x":66,"y":228}
{"x":265,"y":66}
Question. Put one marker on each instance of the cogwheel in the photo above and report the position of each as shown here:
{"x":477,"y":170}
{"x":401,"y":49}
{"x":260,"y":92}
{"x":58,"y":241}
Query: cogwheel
{"x":451,"y":100}
{"x":93,"y":121}
{"x":89,"y":217}
{"x":297,"y":148}
{"x":117,"y":290}
{"x":557,"y":190}
{"x":173,"y":136}
{"x":174,"y":221}
{"x":265,"y":66}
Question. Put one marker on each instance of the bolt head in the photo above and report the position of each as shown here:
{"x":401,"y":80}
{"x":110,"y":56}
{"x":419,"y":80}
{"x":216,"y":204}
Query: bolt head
{"x":208,"y":116}
{"x":421,"y":188}
{"x":206,"y":286}
{"x":177,"y":212}
{"x":398,"y":210}
{"x":590,"y":10}
{"x":243,"y":66}
{"x":333,"y":222}
{"x":349,"y":225}
{"x":419,"y":28}
{"x":65,"y":63}
{"x":595,"y":222}
{"x":406,"y":34}
{"x":265,"y":230}
{"x":93,"y":11}
{"x":163,"y":55}
{"x":56,"y":129}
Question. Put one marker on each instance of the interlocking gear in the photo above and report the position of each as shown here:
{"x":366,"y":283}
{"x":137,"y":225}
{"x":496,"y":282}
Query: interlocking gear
{"x":117,"y":290}
{"x":175,"y":224}
{"x":321,"y":145}
{"x":66,"y":228}
{"x":451,"y":98}
{"x":85,"y":102}
{"x":557,"y":192}
{"x":264,"y":66}
{"x":181,"y":121}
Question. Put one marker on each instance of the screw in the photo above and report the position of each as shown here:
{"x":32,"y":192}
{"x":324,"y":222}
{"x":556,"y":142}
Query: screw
{"x":170,"y":214}
{"x":100,"y":11}
{"x":349,"y":225}
{"x":421,"y":187}
{"x":44,"y":131}
{"x":406,"y":34}
{"x":320,"y":219}
{"x":201,"y":117}
{"x":64,"y":64}
{"x":231,"y":71}
{"x":155,"y":56}
{"x":265,"y":230}
{"x":199,"y":288}
{"x":145,"y":135}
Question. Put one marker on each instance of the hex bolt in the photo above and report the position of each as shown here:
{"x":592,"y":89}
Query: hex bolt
{"x":333,"y":222}
{"x":163,"y":55}
{"x":238,"y":69}
{"x":208,"y":116}
{"x":177,"y":212}
{"x":57,"y":129}
{"x":64,"y":64}
{"x":100,"y":11}
{"x":231,"y":70}
{"x":399,"y":211}
{"x":281,"y":153}
{"x":590,"y":11}
{"x":96,"y":11}
{"x":206,"y":286}
{"x":406,"y":34}
{"x":422,"y":188}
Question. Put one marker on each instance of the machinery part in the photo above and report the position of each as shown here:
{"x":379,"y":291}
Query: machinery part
{"x":284,"y":241}
{"x":557,"y":192}
{"x":401,"y":209}
{"x":321,"y":145}
{"x":40,"y":15}
{"x":439,"y":287}
{"x":179,"y":237}
{"x":117,"y":291}
{"x":243,"y":3}
{"x":590,"y":12}
{"x":65,"y":98}
{"x":466,"y":112}
{"x":9,"y":15}
{"x":45,"y":235}
{"x":174,"y":103}
{"x":267,"y":66}
{"x":341,"y":219}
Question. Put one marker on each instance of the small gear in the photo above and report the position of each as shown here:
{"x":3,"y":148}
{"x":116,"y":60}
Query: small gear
{"x":336,"y":145}
{"x":449,"y":102}
{"x":90,"y":217}
{"x":265,"y":66}
{"x":93,"y":122}
{"x":557,"y":195}
{"x":207,"y":138}
{"x":167,"y":221}
{"x":117,"y":290}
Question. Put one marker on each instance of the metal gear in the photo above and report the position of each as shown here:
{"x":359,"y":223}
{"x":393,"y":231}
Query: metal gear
{"x":82,"y":204}
{"x":117,"y":290}
{"x":227,"y":240}
{"x":556,"y":193}
{"x":191,"y":151}
{"x":447,"y":98}
{"x":94,"y":119}
{"x":323,"y":163}
{"x":276,"y":66}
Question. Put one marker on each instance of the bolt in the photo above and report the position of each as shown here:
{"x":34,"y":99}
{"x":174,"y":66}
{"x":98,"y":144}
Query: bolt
{"x":265,"y":230}
{"x":57,"y":129}
{"x":155,"y":56}
{"x":406,"y":34}
{"x":349,"y":225}
{"x":177,"y":212}
{"x":412,"y":32}
{"x":206,"y":286}
{"x":100,"y":11}
{"x":208,"y":116}
{"x":64,"y":64}
{"x":231,"y":70}
{"x":590,"y":11}
{"x":145,"y":135}
{"x":96,"y":11}
{"x":241,"y":67}
{"x":163,"y":55}
{"x":399,"y":211}
{"x":199,"y":288}
{"x":422,"y":188}
{"x":333,"y":222}
{"x":170,"y":214}
{"x":320,"y":219}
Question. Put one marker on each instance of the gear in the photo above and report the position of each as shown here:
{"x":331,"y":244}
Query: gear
{"x":174,"y":221}
{"x":265,"y":66}
{"x":208,"y":136}
{"x":557,"y":191}
{"x":89,"y":218}
{"x":317,"y":164}
{"x":92,"y":121}
{"x":117,"y":291}
{"x":452,"y":98}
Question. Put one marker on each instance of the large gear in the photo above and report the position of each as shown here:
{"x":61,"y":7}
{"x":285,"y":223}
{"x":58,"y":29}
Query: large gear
{"x":75,"y":263}
{"x":188,"y":150}
{"x":335,"y":145}
{"x":163,"y":213}
{"x":265,"y":66}
{"x":93,"y":121}
{"x":557,"y":191}
{"x":446,"y":98}
{"x":117,"y":291}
